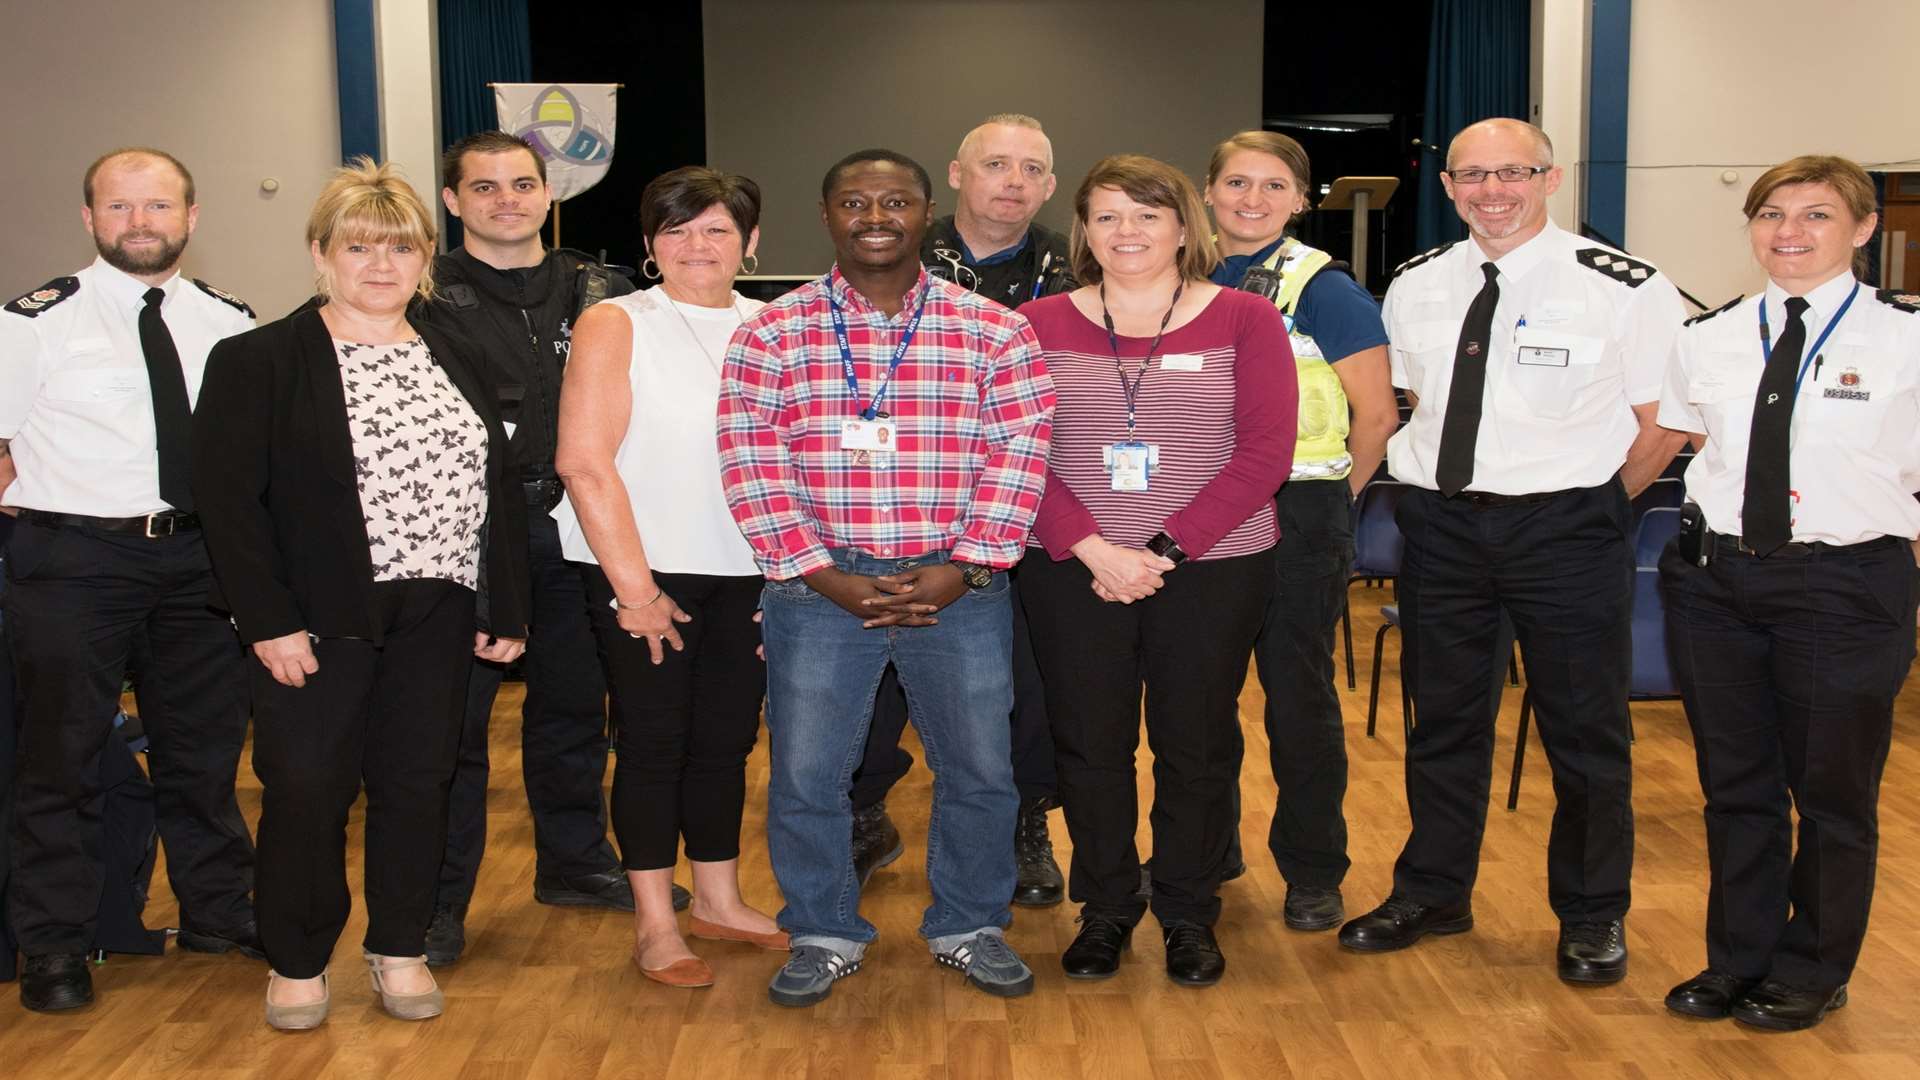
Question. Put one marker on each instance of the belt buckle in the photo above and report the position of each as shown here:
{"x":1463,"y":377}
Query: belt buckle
{"x":151,"y":518}
{"x":1740,"y":545}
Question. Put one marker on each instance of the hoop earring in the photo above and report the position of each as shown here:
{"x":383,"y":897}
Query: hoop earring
{"x":646,"y":262}
{"x":749,"y":271}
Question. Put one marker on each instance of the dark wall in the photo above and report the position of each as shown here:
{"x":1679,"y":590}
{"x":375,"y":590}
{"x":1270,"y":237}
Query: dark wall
{"x":655,"y":50}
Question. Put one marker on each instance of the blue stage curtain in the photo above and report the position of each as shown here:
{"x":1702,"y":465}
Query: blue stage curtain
{"x":1477,"y":61}
{"x":481,"y":41}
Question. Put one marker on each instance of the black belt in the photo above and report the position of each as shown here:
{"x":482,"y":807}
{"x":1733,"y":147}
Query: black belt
{"x":1734,"y":545}
{"x":152,"y":526}
{"x":1485,"y":499}
{"x":544,"y":494}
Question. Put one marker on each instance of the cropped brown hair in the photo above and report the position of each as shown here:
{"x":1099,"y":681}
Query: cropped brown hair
{"x":453,"y":162}
{"x":1149,"y":182}
{"x":368,"y":203}
{"x":1847,"y":179}
{"x":677,"y":197}
{"x":1284,"y":147}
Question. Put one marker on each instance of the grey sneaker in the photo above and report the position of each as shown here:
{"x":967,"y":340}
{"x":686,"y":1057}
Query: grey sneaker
{"x":990,"y":963}
{"x":809,"y":975}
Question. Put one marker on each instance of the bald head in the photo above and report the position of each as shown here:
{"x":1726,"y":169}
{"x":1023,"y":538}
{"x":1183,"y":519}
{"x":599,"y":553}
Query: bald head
{"x":136,"y":159}
{"x":1502,"y":129}
{"x":1026,"y":130}
{"x":1004,"y":174}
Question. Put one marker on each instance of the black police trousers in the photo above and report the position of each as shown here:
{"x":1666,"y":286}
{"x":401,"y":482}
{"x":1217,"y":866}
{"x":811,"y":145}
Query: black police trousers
{"x":1789,"y":667}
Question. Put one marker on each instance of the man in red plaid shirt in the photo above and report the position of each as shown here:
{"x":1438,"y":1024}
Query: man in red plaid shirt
{"x":883,"y":442}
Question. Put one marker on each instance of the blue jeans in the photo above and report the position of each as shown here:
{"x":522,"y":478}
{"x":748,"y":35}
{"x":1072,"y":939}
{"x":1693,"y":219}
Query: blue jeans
{"x":822,"y":672}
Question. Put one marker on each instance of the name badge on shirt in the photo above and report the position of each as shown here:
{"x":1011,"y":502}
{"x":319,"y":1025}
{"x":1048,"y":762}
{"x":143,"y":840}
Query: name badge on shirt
{"x":868,"y":435}
{"x":1543,"y":356}
{"x":1129,"y":464}
{"x":1182,"y":362}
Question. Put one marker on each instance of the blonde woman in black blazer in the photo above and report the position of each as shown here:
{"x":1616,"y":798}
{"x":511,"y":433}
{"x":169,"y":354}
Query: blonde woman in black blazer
{"x":351,"y":476}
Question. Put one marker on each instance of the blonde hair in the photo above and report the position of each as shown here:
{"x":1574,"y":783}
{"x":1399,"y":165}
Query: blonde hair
{"x":1149,"y":182}
{"x":368,"y":203}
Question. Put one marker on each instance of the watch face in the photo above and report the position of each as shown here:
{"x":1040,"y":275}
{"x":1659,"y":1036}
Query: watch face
{"x":977,"y":577}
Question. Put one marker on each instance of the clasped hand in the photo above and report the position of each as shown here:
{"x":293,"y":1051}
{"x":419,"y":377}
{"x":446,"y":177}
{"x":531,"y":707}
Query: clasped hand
{"x":1122,"y":574}
{"x":910,"y":598}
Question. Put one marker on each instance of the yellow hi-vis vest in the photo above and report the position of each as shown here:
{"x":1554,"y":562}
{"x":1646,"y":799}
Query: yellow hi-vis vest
{"x":1320,"y":453}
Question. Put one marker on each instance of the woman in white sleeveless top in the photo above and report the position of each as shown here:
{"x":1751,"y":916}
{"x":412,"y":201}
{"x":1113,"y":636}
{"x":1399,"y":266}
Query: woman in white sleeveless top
{"x":671,"y":583}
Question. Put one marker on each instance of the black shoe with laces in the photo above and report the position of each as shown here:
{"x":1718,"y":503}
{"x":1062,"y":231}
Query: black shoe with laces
{"x":1399,"y":922}
{"x":446,"y":934}
{"x":1037,"y":880}
{"x":1779,"y":1006}
{"x":1593,"y":953}
{"x":1095,"y":952}
{"x":875,"y":841}
{"x":1193,"y":956}
{"x":1310,"y":907}
{"x":56,"y":982}
{"x":1709,"y":995}
{"x":607,"y":889}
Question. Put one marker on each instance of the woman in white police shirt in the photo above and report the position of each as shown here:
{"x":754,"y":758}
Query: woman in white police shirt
{"x":1793,"y":583}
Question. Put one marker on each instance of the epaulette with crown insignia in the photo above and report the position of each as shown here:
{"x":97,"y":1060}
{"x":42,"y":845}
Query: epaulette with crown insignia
{"x":1705,"y":315}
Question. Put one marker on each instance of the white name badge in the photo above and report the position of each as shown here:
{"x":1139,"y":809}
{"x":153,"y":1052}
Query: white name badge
{"x":868,"y":435}
{"x":1543,"y":356}
{"x":1130,"y":464}
{"x":1182,"y":362}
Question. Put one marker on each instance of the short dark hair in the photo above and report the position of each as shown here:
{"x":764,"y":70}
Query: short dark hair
{"x":677,"y":197}
{"x":86,"y":182}
{"x":862,"y":157}
{"x":485,"y":142}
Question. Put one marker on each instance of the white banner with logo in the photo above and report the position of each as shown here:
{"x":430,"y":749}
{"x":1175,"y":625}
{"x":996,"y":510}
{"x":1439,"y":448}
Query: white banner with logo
{"x":570,"y":124}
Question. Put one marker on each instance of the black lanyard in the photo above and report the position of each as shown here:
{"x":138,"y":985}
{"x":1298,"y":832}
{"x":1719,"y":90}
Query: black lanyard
{"x":1132,"y":390}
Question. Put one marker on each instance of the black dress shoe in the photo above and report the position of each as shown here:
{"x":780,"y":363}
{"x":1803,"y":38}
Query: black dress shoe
{"x":875,"y":841}
{"x":1399,"y":922}
{"x":446,"y":934}
{"x":1193,"y":956}
{"x":245,"y":939}
{"x":1095,"y":952}
{"x":1037,"y":881}
{"x":607,"y":889}
{"x":1236,"y":869}
{"x":56,"y":982}
{"x":1592,"y":953}
{"x":1776,"y":1006}
{"x":1310,"y":907}
{"x":1709,"y":995}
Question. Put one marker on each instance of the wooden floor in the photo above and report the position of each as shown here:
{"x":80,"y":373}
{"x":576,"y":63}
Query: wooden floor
{"x":550,"y":992}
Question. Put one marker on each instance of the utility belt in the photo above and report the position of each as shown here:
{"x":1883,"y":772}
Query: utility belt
{"x":1700,"y":545}
{"x":1486,"y":499}
{"x":543,"y":494}
{"x":157,"y":526}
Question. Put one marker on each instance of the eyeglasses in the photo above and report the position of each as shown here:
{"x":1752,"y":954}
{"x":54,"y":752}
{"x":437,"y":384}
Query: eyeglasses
{"x":1512,"y":174}
{"x":948,"y":264}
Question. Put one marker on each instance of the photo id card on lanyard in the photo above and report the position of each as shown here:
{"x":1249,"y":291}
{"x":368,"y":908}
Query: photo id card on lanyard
{"x":1130,"y":462}
{"x":872,"y":430}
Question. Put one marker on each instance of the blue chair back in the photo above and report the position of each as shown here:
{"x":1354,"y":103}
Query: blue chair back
{"x":1678,"y":466}
{"x":1657,"y":526}
{"x":1376,"y":538}
{"x":1652,"y":675}
{"x":1664,"y":492}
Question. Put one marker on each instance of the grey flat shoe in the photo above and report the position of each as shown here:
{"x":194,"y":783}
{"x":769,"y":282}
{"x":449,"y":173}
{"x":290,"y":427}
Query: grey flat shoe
{"x":303,"y":1017}
{"x":421,"y":1006}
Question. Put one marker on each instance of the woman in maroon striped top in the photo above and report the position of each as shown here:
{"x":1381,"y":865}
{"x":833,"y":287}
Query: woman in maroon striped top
{"x":1175,"y":426}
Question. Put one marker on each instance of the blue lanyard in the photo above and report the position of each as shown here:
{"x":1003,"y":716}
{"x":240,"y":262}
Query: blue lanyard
{"x":1806,"y":358}
{"x":1131,"y":391}
{"x":872,"y":409}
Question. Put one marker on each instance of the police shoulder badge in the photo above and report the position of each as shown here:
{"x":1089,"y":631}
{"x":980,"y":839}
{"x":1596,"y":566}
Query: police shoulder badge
{"x":1629,"y":272}
{"x":1705,"y":315}
{"x":1902,"y":301}
{"x":225,"y":297}
{"x":1427,"y":256}
{"x":44,"y":297}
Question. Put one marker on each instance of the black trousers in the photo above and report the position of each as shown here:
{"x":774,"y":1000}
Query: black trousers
{"x":1188,"y":643}
{"x":1562,"y":570}
{"x":9,"y":746}
{"x":884,"y":762}
{"x":685,"y":725}
{"x":81,"y":607}
{"x":563,"y":733}
{"x":1789,"y":667}
{"x":388,"y":716}
{"x":1306,"y":734}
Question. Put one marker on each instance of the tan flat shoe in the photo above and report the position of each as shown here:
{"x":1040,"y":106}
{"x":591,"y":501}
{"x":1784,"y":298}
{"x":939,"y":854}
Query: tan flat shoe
{"x":302,"y":1017}
{"x":691,"y":973}
{"x":701,"y":928}
{"x":421,"y":1006}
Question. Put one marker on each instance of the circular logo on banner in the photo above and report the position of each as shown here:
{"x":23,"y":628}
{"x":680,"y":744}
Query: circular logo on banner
{"x":563,"y":130}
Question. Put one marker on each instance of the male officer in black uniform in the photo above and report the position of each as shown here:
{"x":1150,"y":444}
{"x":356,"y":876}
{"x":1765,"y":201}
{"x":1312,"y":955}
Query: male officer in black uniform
{"x":517,"y":301}
{"x":106,"y":570}
{"x":989,"y":244}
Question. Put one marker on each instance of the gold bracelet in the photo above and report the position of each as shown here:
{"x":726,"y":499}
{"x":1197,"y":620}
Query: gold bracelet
{"x":618,"y":606}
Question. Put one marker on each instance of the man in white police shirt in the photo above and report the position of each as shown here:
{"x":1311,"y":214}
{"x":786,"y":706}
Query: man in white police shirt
{"x":1535,"y":362}
{"x":106,"y":572}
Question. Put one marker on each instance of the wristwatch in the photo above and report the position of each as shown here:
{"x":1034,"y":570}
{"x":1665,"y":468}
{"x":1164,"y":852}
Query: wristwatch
{"x":1167,"y":548}
{"x":975,"y":575}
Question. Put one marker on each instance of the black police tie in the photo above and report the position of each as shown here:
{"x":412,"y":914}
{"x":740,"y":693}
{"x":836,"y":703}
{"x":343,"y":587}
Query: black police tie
{"x":1767,"y":507}
{"x":1460,"y":429}
{"x":172,"y":418}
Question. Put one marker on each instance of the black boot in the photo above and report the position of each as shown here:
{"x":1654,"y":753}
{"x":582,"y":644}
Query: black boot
{"x":56,"y":982}
{"x":1037,"y":881}
{"x":446,"y":934}
{"x":875,"y":841}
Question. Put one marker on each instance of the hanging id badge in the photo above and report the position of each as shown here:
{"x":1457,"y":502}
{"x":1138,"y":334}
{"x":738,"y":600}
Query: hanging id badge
{"x":1130,"y":464}
{"x":879,"y":433}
